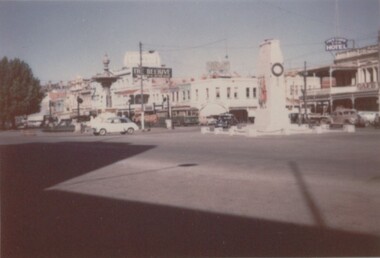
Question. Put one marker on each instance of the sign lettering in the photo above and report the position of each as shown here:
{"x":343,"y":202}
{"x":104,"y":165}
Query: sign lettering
{"x":335,"y":44}
{"x":367,"y":86}
{"x":152,"y":72}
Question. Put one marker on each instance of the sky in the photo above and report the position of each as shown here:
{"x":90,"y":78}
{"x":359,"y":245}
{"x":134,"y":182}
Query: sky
{"x":64,"y":40}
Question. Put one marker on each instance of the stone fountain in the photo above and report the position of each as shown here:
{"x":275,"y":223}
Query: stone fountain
{"x":106,"y":79}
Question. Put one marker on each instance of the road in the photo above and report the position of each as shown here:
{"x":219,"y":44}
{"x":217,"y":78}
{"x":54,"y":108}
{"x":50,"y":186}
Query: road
{"x":182,"y":193}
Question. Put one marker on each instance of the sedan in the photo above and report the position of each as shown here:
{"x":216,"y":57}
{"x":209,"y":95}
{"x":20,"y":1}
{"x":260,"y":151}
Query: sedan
{"x":114,"y":125}
{"x":64,"y":125}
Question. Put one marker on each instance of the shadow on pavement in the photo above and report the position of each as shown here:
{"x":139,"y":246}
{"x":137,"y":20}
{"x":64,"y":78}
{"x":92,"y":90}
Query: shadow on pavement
{"x":38,"y":223}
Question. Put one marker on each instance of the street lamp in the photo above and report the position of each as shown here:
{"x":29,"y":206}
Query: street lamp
{"x":141,"y":88}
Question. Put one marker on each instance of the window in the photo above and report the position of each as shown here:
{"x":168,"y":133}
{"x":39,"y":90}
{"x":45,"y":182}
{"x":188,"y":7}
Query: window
{"x":236,"y":93}
{"x":196,"y":94}
{"x":254,"y":92}
{"x":228,"y":92}
{"x":188,"y":94}
{"x":217,"y":92}
{"x":183,"y":95}
{"x":207,"y":94}
{"x":247,"y":92}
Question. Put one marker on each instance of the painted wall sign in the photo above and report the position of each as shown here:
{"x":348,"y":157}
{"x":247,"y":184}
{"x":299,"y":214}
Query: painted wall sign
{"x":367,"y":86}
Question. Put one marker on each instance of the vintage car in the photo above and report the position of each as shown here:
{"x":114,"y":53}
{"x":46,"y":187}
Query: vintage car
{"x":376,"y":121}
{"x":226,"y":120}
{"x":121,"y":125}
{"x":65,"y":125}
{"x":345,"y":116}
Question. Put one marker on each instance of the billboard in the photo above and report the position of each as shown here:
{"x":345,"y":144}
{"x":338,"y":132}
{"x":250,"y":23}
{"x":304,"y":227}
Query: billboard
{"x":152,"y":72}
{"x":218,"y":67}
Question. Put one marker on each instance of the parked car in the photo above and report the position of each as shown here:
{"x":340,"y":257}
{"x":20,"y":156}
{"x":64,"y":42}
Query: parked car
{"x":28,"y":123}
{"x":312,"y":118}
{"x":376,"y":121}
{"x":362,"y":121}
{"x":121,"y":125}
{"x":226,"y":120}
{"x":65,"y":125}
{"x":345,"y":116}
{"x":82,"y":118}
{"x":294,"y":118}
{"x":211,"y":120}
{"x":368,"y":115}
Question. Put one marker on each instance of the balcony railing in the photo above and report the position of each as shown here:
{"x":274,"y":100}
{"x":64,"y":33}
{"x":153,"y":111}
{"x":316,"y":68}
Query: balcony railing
{"x":369,"y":86}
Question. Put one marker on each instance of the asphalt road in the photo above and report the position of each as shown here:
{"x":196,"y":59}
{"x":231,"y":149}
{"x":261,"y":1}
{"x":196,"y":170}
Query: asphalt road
{"x":182,"y":193}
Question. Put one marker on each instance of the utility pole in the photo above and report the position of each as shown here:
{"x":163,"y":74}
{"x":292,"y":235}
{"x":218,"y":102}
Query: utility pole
{"x":304,"y":90}
{"x":167,"y":97}
{"x":142,"y":95}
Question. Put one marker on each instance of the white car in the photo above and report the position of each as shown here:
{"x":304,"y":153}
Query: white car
{"x":114,"y":125}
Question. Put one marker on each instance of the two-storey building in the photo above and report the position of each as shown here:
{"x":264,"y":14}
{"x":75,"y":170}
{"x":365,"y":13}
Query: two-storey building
{"x":351,"y":81}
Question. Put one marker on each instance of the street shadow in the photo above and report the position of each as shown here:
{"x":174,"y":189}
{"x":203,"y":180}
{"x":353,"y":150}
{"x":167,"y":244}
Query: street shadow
{"x":38,"y":223}
{"x":41,"y":165}
{"x":308,"y":198}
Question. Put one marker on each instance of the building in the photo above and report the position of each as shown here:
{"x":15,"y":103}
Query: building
{"x":294,"y":87}
{"x":351,"y":81}
{"x":216,"y":95}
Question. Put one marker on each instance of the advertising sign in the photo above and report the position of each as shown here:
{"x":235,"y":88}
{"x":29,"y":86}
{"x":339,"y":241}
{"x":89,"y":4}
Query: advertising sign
{"x":152,"y":72}
{"x":218,"y":67}
{"x":335,"y":44}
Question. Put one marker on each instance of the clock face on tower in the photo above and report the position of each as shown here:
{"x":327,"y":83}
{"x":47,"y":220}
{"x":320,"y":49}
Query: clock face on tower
{"x":277,"y":69}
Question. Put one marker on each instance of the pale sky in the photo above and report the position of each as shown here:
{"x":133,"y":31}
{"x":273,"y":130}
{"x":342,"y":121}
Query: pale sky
{"x":62,"y":40}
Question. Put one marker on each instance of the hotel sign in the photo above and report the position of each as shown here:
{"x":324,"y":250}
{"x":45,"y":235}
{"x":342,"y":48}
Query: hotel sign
{"x":152,"y":72}
{"x":335,"y":44}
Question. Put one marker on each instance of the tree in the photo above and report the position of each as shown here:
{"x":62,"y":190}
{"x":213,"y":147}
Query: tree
{"x":20,"y":91}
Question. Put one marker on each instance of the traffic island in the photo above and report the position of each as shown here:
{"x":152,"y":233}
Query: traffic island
{"x":251,"y":131}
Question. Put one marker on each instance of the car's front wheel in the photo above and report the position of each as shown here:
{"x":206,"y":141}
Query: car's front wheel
{"x":102,"y":132}
{"x":130,"y":130}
